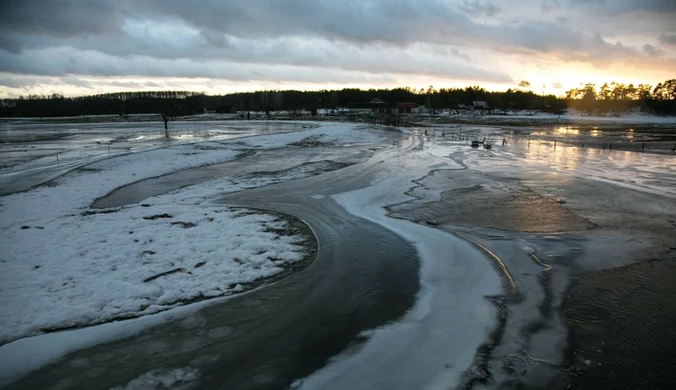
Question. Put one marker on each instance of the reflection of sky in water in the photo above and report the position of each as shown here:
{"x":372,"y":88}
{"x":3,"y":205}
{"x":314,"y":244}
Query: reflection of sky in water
{"x":654,"y":173}
{"x":567,"y":130}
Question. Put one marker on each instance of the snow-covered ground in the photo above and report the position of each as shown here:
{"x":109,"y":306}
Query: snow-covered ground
{"x":71,"y":193}
{"x":177,"y":379}
{"x":65,"y":265}
{"x":339,"y":134}
{"x":81,"y":270}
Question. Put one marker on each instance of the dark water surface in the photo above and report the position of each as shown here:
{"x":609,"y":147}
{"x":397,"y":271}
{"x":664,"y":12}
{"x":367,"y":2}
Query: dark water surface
{"x":622,"y":326}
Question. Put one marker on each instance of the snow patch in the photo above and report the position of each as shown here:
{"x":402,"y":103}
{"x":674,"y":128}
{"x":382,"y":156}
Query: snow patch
{"x":176,"y":379}
{"x":135,"y":261}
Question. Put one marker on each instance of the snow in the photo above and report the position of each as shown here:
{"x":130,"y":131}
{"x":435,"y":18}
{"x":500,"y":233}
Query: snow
{"x":104,"y":267}
{"x":79,"y":189}
{"x":432,"y":345}
{"x":28,"y":354}
{"x":213,"y":188}
{"x":339,"y":134}
{"x":83,"y":268}
{"x":177,"y":379}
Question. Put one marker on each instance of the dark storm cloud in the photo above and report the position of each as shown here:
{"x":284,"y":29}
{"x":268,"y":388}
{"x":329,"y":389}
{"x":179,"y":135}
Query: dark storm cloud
{"x":393,"y":22}
{"x":177,"y":38}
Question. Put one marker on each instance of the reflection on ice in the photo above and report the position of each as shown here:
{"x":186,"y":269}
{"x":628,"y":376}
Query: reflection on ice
{"x":629,"y":169}
{"x":568,"y":130}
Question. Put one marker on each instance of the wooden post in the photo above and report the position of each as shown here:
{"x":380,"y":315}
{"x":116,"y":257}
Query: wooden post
{"x":555,"y":144}
{"x":643,"y":147}
{"x":611,"y":146}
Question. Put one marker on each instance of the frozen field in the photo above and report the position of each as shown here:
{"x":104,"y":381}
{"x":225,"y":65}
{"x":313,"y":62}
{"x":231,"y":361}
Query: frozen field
{"x":33,"y":153}
{"x":435,"y":264}
{"x":94,"y":266}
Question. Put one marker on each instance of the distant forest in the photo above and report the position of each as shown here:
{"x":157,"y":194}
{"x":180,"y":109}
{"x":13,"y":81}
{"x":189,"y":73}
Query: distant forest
{"x":590,"y":99}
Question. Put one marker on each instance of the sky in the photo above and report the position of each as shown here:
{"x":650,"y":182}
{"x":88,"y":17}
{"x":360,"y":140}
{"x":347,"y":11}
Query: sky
{"x":85,"y":47}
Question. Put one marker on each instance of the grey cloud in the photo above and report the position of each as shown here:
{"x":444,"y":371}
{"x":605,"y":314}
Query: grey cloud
{"x":652,"y":51}
{"x":60,"y":18}
{"x":92,"y":63}
{"x":120,"y":37}
{"x":24,"y":82}
{"x":320,"y":55}
{"x":16,"y":83}
{"x":667,"y":39}
{"x":216,"y":39}
{"x":613,"y":8}
{"x":398,"y":23}
{"x":479,"y":8}
{"x":9,"y":43}
{"x":548,"y":5}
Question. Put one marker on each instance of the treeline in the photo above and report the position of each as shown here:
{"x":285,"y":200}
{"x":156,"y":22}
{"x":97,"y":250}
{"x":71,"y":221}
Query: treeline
{"x":609,"y":99}
{"x":617,"y":98}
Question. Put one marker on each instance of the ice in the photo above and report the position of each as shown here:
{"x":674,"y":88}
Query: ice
{"x":79,"y":189}
{"x":570,"y":116}
{"x":432,"y":345}
{"x":30,"y":353}
{"x":178,"y":379}
{"x":65,"y":265}
{"x":634,"y":170}
{"x":342,"y":134}
{"x":103,"y":267}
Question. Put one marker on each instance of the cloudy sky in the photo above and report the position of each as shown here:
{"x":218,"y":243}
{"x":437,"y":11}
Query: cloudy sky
{"x":78,"y":47}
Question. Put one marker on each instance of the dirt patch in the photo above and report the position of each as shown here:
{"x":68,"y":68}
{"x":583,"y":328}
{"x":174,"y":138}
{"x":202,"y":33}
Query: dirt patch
{"x":519,"y":210}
